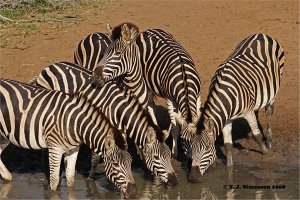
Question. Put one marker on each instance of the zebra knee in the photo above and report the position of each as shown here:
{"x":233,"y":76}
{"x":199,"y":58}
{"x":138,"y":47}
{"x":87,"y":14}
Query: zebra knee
{"x":6,"y":175}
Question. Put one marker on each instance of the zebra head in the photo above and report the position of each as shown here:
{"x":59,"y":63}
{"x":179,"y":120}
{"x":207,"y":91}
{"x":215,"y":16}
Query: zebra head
{"x":117,"y":60}
{"x":201,"y":150}
{"x":118,"y":167}
{"x":157,"y":156}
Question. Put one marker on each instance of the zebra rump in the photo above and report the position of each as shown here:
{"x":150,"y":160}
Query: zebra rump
{"x":91,"y":50}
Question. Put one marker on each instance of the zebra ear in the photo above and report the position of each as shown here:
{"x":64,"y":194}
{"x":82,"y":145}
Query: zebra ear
{"x":125,"y":32}
{"x":166,"y":134}
{"x":209,"y":125}
{"x":108,"y":29}
{"x":109,"y":142}
{"x":151,"y":136}
{"x":129,"y":32}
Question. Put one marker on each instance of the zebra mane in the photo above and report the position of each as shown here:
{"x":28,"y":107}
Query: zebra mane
{"x":159,"y":133}
{"x":116,"y":32}
{"x":117,"y":133}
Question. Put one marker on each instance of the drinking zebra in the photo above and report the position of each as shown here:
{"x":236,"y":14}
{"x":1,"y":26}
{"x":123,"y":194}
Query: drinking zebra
{"x":35,"y":118}
{"x":154,"y":61}
{"x":91,"y":49}
{"x":121,"y":108}
{"x":247,"y":81}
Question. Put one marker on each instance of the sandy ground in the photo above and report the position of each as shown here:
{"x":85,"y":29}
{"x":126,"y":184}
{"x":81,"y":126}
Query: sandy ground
{"x":209,"y":30}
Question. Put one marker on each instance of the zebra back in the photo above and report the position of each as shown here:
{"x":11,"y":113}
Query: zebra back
{"x":170,"y":71}
{"x":91,"y":50}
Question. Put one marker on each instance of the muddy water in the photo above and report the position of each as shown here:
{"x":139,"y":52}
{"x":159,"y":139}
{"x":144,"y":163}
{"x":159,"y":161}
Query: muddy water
{"x":248,"y":181}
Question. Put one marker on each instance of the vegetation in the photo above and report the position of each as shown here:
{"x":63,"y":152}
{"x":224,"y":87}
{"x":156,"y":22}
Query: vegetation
{"x":25,"y":17}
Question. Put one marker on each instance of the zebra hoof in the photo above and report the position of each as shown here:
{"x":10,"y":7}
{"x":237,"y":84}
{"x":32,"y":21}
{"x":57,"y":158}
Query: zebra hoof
{"x":269,"y":143}
{"x":6,"y":181}
{"x":265,"y":151}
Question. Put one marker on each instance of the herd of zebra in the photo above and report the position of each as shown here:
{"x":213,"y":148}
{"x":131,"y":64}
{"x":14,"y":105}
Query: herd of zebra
{"x":106,"y":97}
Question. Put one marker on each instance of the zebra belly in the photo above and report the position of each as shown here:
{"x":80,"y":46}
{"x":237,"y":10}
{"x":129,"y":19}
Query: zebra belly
{"x":30,"y":143}
{"x":267,"y":99}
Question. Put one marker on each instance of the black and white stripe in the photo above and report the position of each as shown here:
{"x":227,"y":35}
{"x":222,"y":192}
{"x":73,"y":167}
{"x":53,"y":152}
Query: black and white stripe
{"x":91,"y":50}
{"x":153,"y":59}
{"x":247,"y":81}
{"x":36,"y":118}
{"x":121,"y":108}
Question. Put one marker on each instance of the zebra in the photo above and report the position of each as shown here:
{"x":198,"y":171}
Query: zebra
{"x":91,"y":49}
{"x":246,"y":82}
{"x":35,"y":118}
{"x":153,"y":60}
{"x":121,"y":108}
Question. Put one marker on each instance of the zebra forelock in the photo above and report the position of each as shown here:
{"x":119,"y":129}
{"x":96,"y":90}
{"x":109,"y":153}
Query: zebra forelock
{"x":117,"y":31}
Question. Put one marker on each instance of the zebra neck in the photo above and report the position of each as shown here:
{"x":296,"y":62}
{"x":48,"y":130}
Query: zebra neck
{"x":138,"y":132}
{"x":86,"y":124}
{"x":212,"y":111}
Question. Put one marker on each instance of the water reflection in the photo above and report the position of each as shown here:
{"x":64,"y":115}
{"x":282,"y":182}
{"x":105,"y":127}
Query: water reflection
{"x":218,"y":183}
{"x":5,"y":189}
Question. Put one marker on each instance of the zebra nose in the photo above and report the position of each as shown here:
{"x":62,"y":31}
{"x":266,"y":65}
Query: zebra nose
{"x":172,"y":179}
{"x":131,"y":190}
{"x":194,"y":174}
{"x":97,"y":76}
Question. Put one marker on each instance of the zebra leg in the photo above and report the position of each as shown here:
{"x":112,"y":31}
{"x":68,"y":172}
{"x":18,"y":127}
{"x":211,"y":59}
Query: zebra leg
{"x":250,"y":135}
{"x":152,"y":114}
{"x":151,"y":107}
{"x":70,"y":162}
{"x":6,"y":175}
{"x":174,"y":128}
{"x":269,"y":112}
{"x":55,"y":155}
{"x":94,"y":162}
{"x":227,"y":137}
{"x":257,"y":135}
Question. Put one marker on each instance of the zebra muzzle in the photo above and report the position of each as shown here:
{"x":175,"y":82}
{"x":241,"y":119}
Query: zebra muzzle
{"x":195,"y":174}
{"x":172,"y":179}
{"x":130,"y":190}
{"x":98,"y":76}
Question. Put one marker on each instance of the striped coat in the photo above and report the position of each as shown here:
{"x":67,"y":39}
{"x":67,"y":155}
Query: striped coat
{"x":35,"y":118}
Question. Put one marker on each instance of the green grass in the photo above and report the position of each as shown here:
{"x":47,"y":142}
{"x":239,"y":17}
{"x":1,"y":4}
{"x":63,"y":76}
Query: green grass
{"x":37,"y":7}
{"x":34,"y":16}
